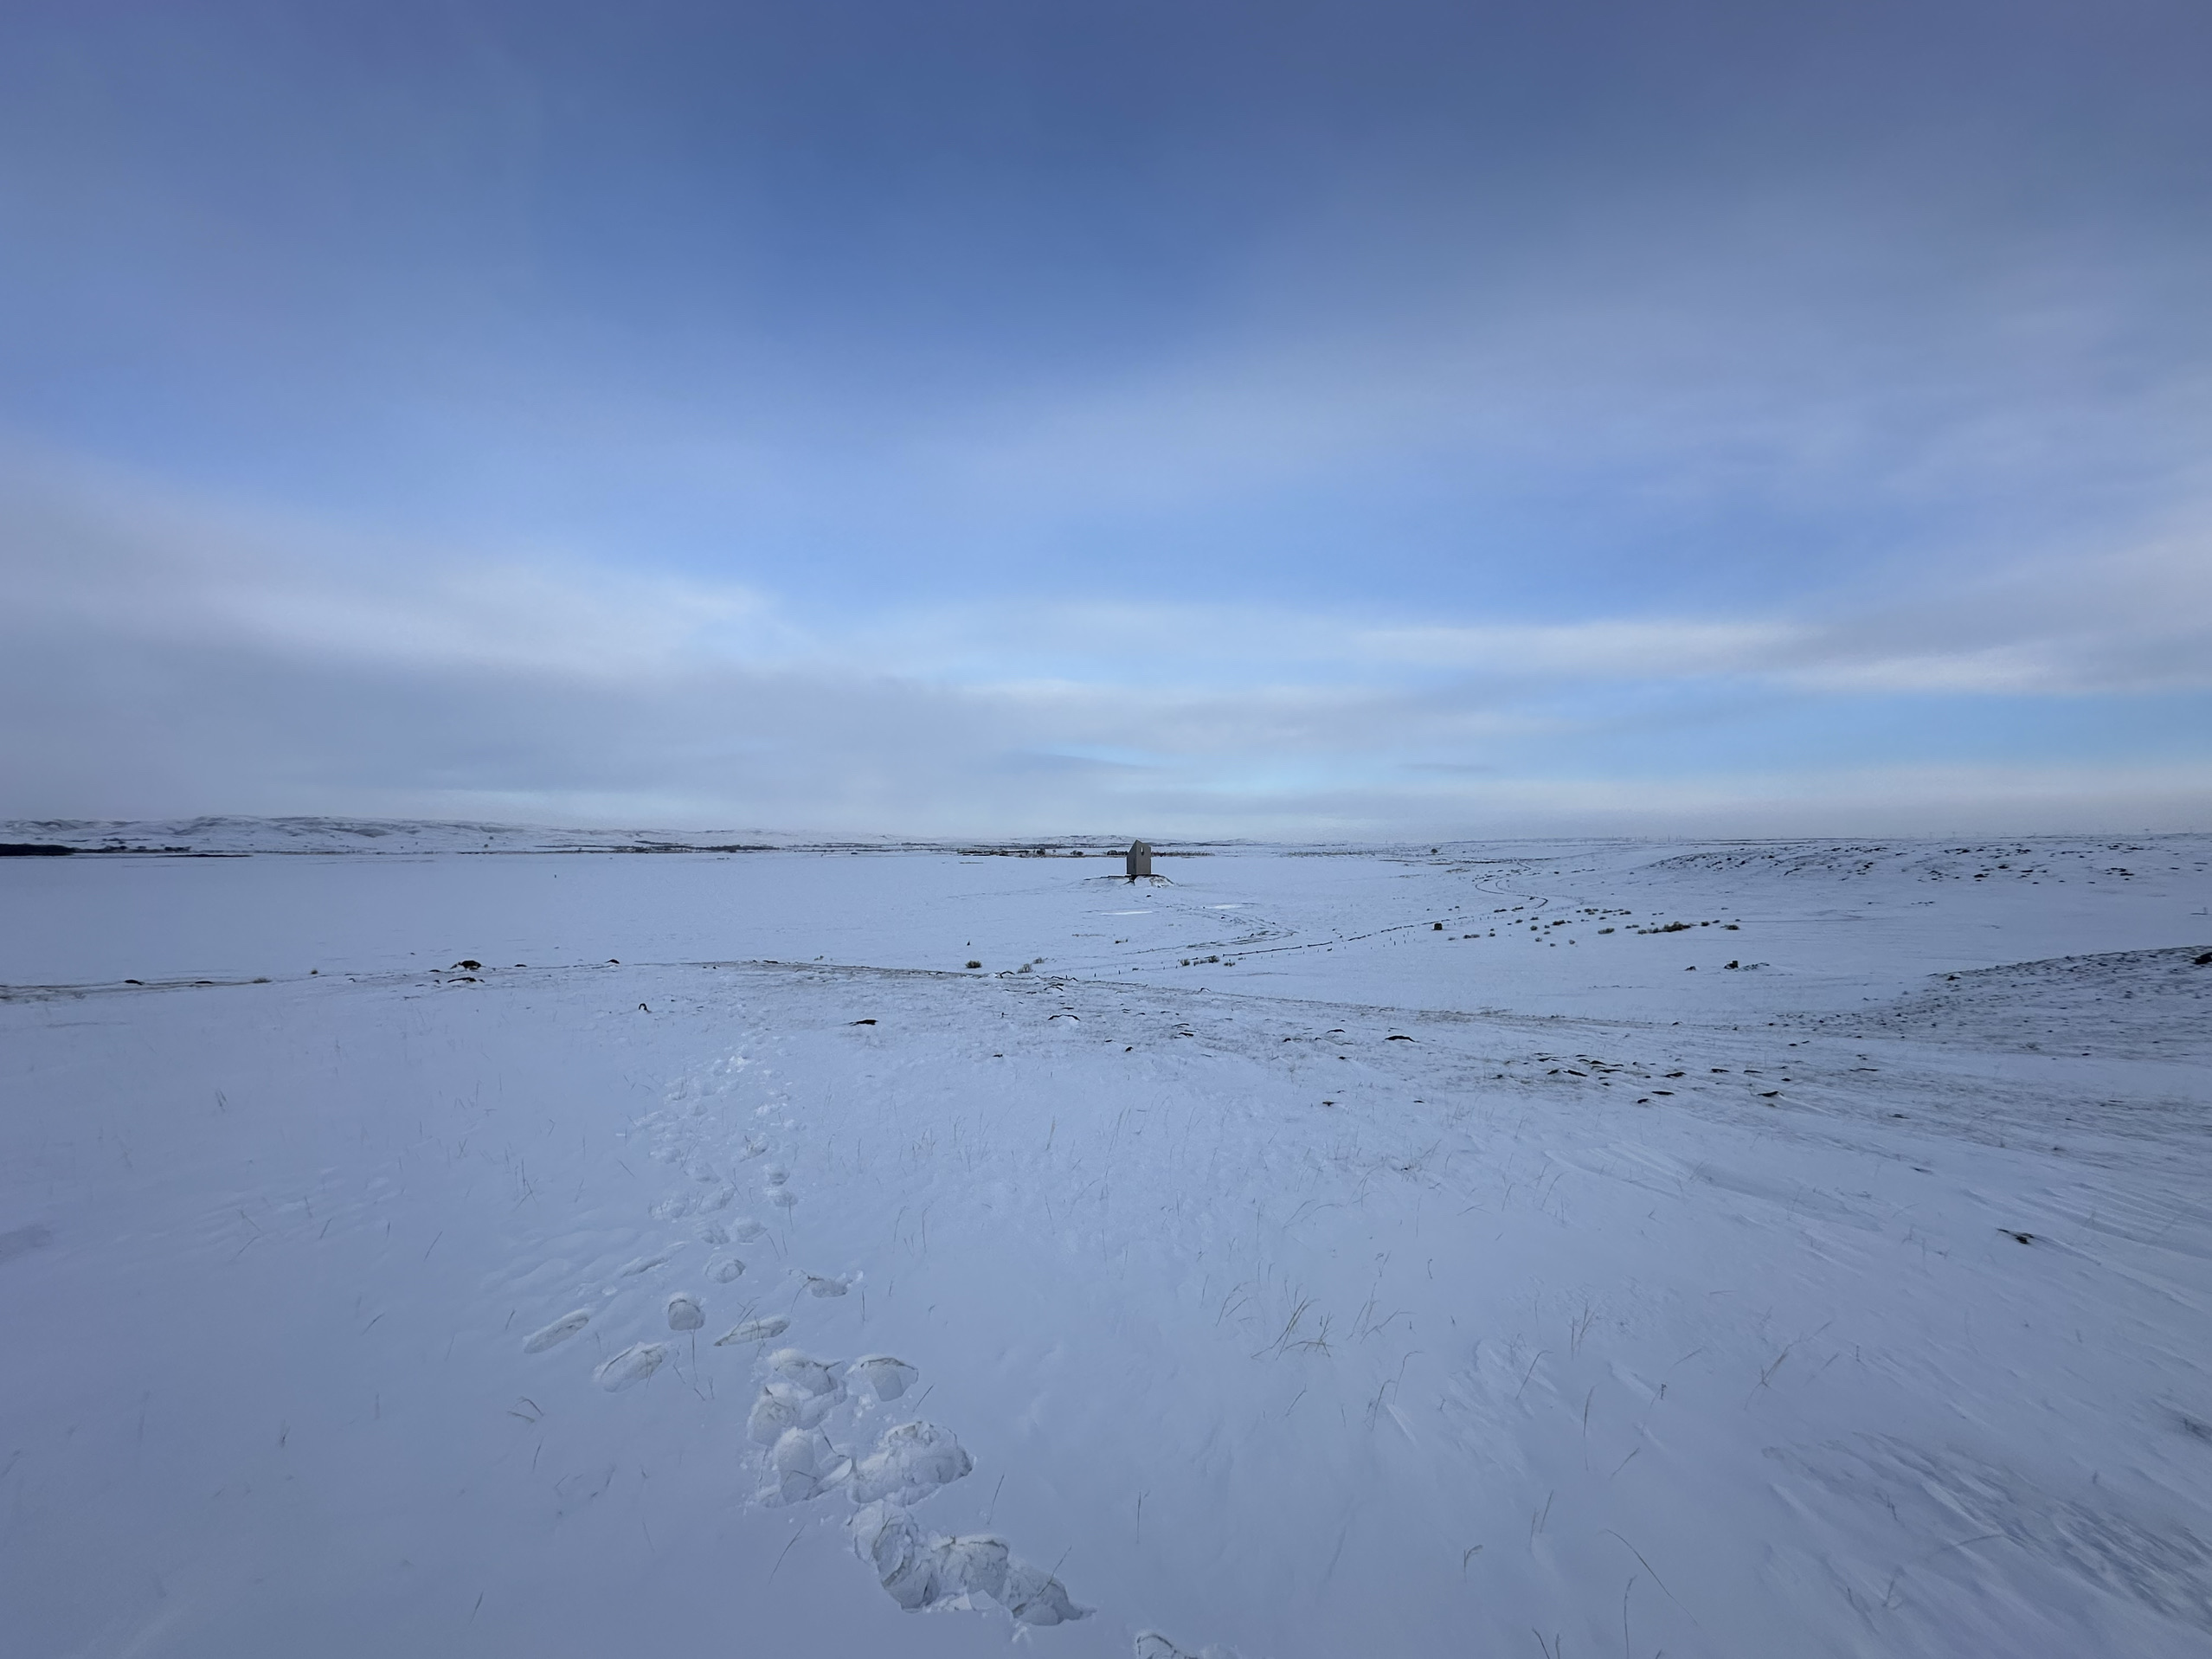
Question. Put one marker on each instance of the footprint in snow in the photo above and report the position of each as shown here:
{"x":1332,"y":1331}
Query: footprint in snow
{"x":805,"y":1465}
{"x":1035,"y":1597}
{"x":978,"y":1563}
{"x":774,"y":1413}
{"x":754,"y":1330}
{"x":684,"y":1313}
{"x":714,"y":1233}
{"x":817,"y":1285}
{"x":782,"y":1408}
{"x":783,"y":1198}
{"x":723,"y":1269}
{"x":910,"y":1568}
{"x":890,"y":1378}
{"x":633,"y":1365}
{"x":744,"y":1229}
{"x":646,"y":1263}
{"x":910,"y":1460}
{"x":803,"y":1372}
{"x":919,"y":1571}
{"x":775,"y":1174}
{"x":559,"y":1331}
{"x":1150,"y":1645}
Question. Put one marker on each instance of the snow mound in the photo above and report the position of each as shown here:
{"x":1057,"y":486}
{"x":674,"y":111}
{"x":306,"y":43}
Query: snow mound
{"x":2117,"y":1004}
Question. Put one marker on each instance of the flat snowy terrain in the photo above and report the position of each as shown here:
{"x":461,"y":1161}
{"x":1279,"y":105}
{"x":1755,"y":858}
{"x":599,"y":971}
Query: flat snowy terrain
{"x":1745,"y":1248}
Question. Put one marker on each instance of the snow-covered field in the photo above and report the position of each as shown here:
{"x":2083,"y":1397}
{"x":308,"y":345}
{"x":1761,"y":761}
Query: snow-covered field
{"x":1267,"y":1265}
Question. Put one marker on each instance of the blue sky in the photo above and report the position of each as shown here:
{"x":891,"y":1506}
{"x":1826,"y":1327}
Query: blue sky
{"x":1286,"y":420}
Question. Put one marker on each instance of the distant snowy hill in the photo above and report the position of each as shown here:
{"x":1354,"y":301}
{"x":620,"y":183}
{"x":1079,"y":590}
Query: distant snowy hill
{"x":232,"y":834}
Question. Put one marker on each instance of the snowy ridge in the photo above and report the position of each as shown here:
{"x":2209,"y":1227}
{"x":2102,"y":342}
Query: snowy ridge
{"x":2124,"y":1004}
{"x":2028,"y":859}
{"x":335,"y":835}
{"x":321,"y":835}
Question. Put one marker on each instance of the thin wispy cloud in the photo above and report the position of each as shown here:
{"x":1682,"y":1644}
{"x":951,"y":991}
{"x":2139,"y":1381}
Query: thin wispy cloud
{"x":434,"y":679}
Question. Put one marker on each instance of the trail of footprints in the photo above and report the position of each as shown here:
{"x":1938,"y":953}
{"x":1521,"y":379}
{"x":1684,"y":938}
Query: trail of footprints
{"x":808,"y":1406}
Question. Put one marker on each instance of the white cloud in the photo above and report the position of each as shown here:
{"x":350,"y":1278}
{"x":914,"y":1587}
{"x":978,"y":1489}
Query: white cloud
{"x":2135,"y":619}
{"x":166,"y":655}
{"x":109,"y":553}
{"x":1610,"y":648}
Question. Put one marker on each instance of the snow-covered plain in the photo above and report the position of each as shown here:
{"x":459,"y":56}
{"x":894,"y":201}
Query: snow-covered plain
{"x":1271,"y":1267}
